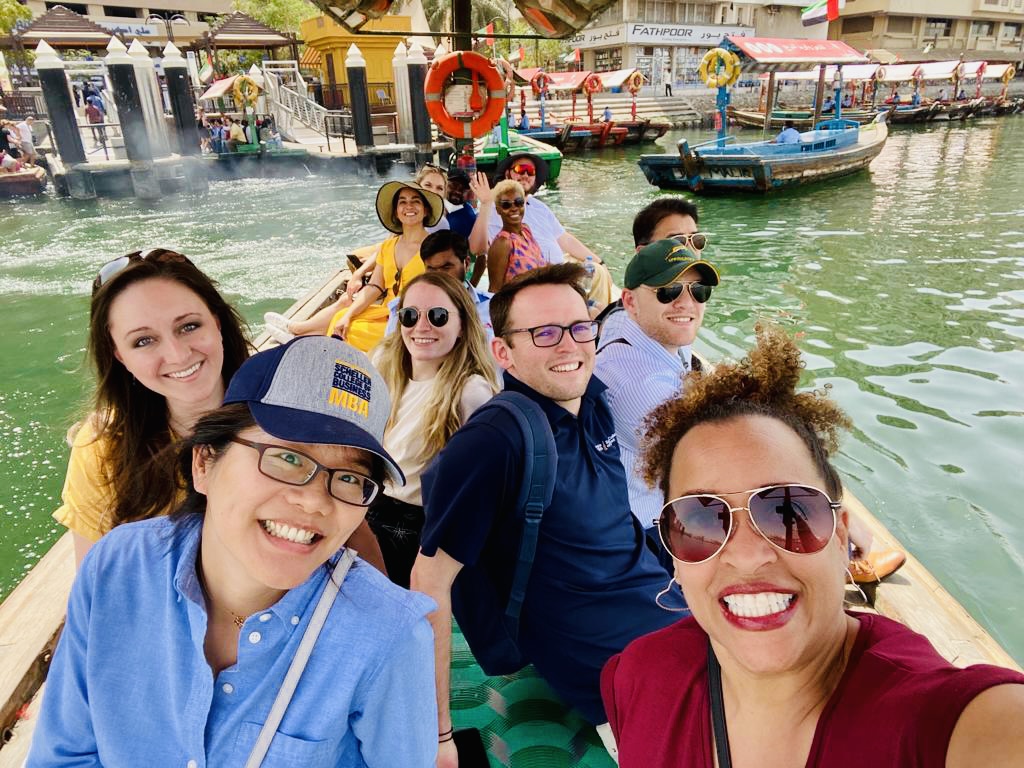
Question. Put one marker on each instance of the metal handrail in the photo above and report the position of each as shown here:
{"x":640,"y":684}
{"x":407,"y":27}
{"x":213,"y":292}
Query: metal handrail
{"x":326,"y":122}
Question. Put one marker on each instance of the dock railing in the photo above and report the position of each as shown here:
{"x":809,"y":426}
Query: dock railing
{"x":289,"y":105}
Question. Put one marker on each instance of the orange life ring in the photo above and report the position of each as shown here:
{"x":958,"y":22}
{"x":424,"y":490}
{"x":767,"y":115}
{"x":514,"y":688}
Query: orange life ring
{"x":592,"y":84}
{"x":635,"y":82}
{"x":540,"y":84}
{"x":450,"y":97}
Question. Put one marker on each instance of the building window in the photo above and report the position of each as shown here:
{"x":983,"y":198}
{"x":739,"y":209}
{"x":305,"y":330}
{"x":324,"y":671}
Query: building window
{"x":938,"y":27}
{"x":694,"y":13}
{"x":118,"y":12}
{"x":1009,"y":31}
{"x":853,"y":25}
{"x":657,"y":11}
{"x":901,"y":25}
{"x":610,"y":15}
{"x":76,"y":7}
{"x":982,"y":28}
{"x":165,"y":12}
{"x":607,"y":59}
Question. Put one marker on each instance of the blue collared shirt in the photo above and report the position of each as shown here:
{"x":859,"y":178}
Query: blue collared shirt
{"x":130,"y":684}
{"x":640,"y":376}
{"x":482,"y":300}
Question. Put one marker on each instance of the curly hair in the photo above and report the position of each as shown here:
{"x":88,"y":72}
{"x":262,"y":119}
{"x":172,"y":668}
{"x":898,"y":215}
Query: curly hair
{"x":762,"y":384}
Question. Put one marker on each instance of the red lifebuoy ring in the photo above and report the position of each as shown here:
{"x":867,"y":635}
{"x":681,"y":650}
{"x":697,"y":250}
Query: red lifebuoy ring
{"x":635,"y":82}
{"x":464,"y":120}
{"x":540,"y":84}
{"x":593,"y":84}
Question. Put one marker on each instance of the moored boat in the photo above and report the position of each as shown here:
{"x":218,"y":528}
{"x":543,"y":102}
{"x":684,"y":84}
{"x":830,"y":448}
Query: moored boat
{"x":835,"y":148}
{"x":30,"y":180}
{"x":801,"y":119}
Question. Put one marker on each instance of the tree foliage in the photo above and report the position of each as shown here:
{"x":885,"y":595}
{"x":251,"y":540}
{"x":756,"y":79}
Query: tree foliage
{"x":282,"y":15}
{"x":11,"y":12}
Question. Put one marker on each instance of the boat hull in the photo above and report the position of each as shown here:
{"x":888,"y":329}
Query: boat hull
{"x":24,"y":183}
{"x":802,"y":119}
{"x":705,"y":172}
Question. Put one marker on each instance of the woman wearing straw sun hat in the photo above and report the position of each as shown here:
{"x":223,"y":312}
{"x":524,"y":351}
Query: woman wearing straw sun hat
{"x":406,"y":209}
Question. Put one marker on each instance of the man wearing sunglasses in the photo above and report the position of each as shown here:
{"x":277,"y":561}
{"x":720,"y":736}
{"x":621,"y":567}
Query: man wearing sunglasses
{"x":666,"y":287}
{"x":592,"y":583}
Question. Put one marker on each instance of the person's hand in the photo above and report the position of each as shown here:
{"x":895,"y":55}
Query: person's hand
{"x":447,"y":754}
{"x":342,"y":328}
{"x":481,"y":188}
{"x":354,"y":284}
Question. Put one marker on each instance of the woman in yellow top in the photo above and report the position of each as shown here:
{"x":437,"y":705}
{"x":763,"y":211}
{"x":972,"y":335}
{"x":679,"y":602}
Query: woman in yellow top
{"x":163,"y":343}
{"x":406,"y":209}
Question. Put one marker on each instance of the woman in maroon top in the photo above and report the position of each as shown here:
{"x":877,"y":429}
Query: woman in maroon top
{"x":756,"y":528}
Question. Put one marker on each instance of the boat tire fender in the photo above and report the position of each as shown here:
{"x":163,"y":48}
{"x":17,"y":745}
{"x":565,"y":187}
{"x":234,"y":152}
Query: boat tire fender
{"x":593,"y":84}
{"x":635,"y":82}
{"x":245,"y":91}
{"x":438,"y":81}
{"x":540,"y":84}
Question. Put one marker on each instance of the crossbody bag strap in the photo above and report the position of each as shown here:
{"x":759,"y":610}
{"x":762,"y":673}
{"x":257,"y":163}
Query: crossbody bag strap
{"x":291,"y":678}
{"x":718,"y":725}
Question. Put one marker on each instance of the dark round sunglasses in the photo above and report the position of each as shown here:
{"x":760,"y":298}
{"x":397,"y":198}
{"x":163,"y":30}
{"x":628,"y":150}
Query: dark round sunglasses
{"x":799,"y":519}
{"x":114,"y":266}
{"x":436,"y":316}
{"x":700,"y":292}
{"x":516,"y":203}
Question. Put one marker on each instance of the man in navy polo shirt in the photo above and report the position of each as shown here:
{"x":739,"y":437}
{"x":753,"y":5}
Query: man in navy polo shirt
{"x":594,"y":584}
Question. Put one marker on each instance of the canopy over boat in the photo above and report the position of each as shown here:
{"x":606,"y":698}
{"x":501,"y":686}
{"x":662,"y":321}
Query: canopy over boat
{"x":219,"y":88}
{"x":616,"y":78}
{"x":851,"y":73}
{"x":525,"y":75}
{"x":999,"y":72}
{"x":766,"y":54}
{"x":568,"y":81}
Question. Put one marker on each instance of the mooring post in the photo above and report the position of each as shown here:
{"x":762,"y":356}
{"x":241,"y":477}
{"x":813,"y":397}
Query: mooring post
{"x":179,"y":90}
{"x":355,"y":66}
{"x":151,"y":98}
{"x":121,"y":69}
{"x":399,"y":66}
{"x":417,"y":100}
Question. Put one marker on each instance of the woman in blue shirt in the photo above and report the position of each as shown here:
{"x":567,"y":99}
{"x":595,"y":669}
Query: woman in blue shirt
{"x":181,"y":631}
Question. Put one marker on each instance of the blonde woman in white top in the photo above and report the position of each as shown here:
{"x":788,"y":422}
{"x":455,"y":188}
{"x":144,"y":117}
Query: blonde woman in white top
{"x":438,"y":370}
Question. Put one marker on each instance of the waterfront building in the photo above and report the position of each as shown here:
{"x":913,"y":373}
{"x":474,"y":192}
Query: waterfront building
{"x":665,"y":38}
{"x":182,"y":21}
{"x":926,"y":30}
{"x":327,"y":44}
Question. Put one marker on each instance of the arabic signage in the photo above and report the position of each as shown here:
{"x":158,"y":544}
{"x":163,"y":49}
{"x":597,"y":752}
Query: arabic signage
{"x":773,"y":50}
{"x":644,"y":33}
{"x":127,"y":29}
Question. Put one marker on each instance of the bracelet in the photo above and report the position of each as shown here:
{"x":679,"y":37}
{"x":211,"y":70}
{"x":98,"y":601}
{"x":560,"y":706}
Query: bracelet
{"x":446,"y":736}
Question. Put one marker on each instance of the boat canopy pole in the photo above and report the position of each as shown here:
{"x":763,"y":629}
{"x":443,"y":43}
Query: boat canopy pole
{"x":770,"y":105}
{"x":837,"y":87}
{"x":819,"y":95}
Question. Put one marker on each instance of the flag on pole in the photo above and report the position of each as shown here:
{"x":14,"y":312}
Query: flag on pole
{"x":821,"y":11}
{"x":517,"y":55}
{"x":489,"y":30}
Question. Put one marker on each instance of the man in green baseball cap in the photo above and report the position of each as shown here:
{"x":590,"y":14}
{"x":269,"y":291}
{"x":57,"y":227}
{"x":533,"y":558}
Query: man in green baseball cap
{"x":643,"y":359}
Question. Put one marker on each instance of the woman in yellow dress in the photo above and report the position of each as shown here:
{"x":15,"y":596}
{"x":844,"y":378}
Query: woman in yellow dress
{"x":406,"y":209}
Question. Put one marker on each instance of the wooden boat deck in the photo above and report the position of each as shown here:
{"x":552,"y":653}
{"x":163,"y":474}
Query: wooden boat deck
{"x":32,"y":616}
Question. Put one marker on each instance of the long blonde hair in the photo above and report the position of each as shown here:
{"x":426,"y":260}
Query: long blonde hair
{"x":468,"y":357}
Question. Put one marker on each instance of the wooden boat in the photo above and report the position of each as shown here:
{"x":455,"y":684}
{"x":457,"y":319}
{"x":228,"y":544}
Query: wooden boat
{"x":30,"y":180}
{"x":802,"y":119}
{"x":836,"y":148}
{"x":518,"y":715}
{"x":489,"y":153}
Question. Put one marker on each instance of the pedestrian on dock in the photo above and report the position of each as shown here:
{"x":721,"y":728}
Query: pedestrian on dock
{"x":242,"y":630}
{"x":94,"y":116}
{"x":163,"y":344}
{"x":666,"y":78}
{"x":770,"y":662}
{"x":26,"y":140}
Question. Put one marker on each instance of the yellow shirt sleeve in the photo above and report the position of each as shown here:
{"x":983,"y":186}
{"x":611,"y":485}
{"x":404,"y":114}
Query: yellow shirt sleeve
{"x":87,"y":497}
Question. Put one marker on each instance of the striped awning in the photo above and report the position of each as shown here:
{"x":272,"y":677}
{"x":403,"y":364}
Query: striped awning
{"x":310,"y":58}
{"x":779,"y":54}
{"x":567,"y":81}
{"x":851,"y":73}
{"x":617,"y":77}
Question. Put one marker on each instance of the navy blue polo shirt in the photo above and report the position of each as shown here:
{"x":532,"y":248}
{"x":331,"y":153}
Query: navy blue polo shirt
{"x":593,"y":585}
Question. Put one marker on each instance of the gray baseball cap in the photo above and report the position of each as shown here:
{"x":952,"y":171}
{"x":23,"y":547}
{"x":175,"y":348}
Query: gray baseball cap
{"x":317,"y":389}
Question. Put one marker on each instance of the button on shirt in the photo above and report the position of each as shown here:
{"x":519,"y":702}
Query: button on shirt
{"x":593,"y":583}
{"x":130,"y":684}
{"x":641,"y":375}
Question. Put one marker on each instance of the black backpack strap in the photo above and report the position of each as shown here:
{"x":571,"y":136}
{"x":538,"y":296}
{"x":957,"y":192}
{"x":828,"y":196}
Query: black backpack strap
{"x":540,"y":460}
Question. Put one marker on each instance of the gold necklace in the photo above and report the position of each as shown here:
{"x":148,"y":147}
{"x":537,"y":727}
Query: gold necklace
{"x":238,"y":620}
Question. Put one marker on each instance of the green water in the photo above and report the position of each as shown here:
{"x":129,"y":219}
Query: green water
{"x":905,"y":286}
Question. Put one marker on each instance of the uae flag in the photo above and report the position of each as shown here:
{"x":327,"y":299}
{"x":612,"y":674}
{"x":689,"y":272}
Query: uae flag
{"x":821,"y":11}
{"x":518,"y":55}
{"x":489,"y":30}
